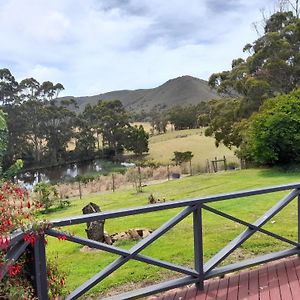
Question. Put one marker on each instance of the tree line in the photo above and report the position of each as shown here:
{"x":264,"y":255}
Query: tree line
{"x":40,"y":126}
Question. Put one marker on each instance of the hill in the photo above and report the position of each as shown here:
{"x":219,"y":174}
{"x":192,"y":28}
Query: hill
{"x":182,"y":90}
{"x":202,"y":147}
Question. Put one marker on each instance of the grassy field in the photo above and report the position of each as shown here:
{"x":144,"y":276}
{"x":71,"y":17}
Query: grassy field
{"x":162,"y":147}
{"x":177,"y":245}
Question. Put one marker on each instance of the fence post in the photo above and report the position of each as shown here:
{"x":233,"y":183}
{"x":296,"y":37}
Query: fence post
{"x":225,"y":163}
{"x":40,"y":268}
{"x":198,"y":246}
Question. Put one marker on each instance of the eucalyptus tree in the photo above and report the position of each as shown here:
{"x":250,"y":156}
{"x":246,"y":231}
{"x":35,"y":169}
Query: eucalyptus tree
{"x":85,"y":137}
{"x":111,"y":119}
{"x":8,"y":87}
{"x":114,"y":119}
{"x":136,"y":140}
{"x":58,"y":126}
{"x":272,"y":68}
{"x":29,"y":89}
{"x":90,"y":123}
{"x":183,"y":117}
{"x":26,"y":106}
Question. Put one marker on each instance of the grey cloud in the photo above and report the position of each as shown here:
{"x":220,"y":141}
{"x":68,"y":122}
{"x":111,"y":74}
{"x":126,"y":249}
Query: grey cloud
{"x":173,"y":36}
{"x":125,"y":6}
{"x":193,"y":24}
{"x":221,"y":6}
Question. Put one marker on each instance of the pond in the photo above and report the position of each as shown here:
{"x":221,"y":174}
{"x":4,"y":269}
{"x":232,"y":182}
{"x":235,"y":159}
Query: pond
{"x":68,"y":172}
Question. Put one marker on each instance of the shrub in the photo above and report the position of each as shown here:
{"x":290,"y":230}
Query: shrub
{"x":273,"y":134}
{"x":17,"y":211}
{"x":47,"y":194}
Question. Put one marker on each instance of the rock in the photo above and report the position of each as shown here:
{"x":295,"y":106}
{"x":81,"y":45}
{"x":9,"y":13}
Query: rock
{"x":107,"y":239}
{"x":146,"y":233}
{"x":95,"y":229}
{"x":121,"y":236}
{"x":91,"y":208}
{"x":134,"y":234}
{"x":140,"y":232}
{"x":131,"y":234}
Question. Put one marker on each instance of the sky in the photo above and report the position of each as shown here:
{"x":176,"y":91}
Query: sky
{"x":95,"y":46}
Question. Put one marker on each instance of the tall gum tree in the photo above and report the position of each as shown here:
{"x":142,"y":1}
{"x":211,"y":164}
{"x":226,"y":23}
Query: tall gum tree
{"x":272,"y":68}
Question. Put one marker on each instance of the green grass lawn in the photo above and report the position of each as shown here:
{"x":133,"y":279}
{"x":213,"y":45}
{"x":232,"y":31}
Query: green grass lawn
{"x":194,"y":140}
{"x":177,"y":245}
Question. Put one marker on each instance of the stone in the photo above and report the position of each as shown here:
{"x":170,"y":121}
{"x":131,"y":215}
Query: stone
{"x":107,"y":239}
{"x":121,"y":236}
{"x":146,"y":233}
{"x":95,"y":229}
{"x":131,"y":234}
{"x":140,"y":232}
{"x":134,"y":234}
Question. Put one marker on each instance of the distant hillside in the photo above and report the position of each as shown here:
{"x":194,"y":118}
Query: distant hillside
{"x":182,"y":90}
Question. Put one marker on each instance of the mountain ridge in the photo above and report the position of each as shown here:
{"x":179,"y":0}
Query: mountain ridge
{"x":182,"y":90}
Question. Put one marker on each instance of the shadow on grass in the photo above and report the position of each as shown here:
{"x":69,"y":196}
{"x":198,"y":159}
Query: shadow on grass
{"x":56,"y":209}
{"x":279,"y":170}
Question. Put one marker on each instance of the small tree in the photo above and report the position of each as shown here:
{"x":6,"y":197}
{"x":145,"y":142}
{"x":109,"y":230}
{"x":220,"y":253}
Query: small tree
{"x":136,"y":176}
{"x":47,"y":194}
{"x":182,"y":157}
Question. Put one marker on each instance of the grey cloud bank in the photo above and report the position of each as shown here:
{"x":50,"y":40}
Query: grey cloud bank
{"x":95,"y":46}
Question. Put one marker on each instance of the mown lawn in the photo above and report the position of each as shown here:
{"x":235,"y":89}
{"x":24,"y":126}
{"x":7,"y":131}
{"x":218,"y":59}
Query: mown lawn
{"x":177,"y":245}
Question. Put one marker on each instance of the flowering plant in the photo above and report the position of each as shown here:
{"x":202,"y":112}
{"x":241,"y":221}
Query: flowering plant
{"x":18,"y":212}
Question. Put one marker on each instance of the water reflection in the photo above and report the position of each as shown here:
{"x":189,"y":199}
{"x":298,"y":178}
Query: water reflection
{"x":61,"y":173}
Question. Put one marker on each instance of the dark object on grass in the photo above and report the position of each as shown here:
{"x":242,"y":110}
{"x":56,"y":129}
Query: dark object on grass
{"x":95,"y":229}
{"x":175,"y":175}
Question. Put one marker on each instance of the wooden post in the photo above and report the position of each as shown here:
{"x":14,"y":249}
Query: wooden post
{"x":79,"y":187}
{"x":139,"y":179}
{"x":225,"y":163}
{"x":214,"y":165}
{"x":207,"y":166}
{"x":113,"y":182}
{"x":168,"y":171}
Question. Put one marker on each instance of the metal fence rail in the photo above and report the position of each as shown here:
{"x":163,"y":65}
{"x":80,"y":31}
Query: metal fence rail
{"x":201,"y":270}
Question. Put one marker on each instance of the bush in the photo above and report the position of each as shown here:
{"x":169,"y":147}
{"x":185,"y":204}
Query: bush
{"x":17,"y":211}
{"x":273,"y":134}
{"x":47,"y":194}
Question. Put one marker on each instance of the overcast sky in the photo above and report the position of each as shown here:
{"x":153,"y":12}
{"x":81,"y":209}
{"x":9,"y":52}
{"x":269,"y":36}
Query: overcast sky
{"x":95,"y":46}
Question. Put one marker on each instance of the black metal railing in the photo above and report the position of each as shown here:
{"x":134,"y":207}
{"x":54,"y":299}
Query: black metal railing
{"x":196,"y":275}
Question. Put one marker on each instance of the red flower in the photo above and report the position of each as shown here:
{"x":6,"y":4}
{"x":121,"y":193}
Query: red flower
{"x":31,"y":238}
{"x":61,"y":237}
{"x":4,"y":241}
{"x":14,"y":270}
{"x":62,"y":281}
